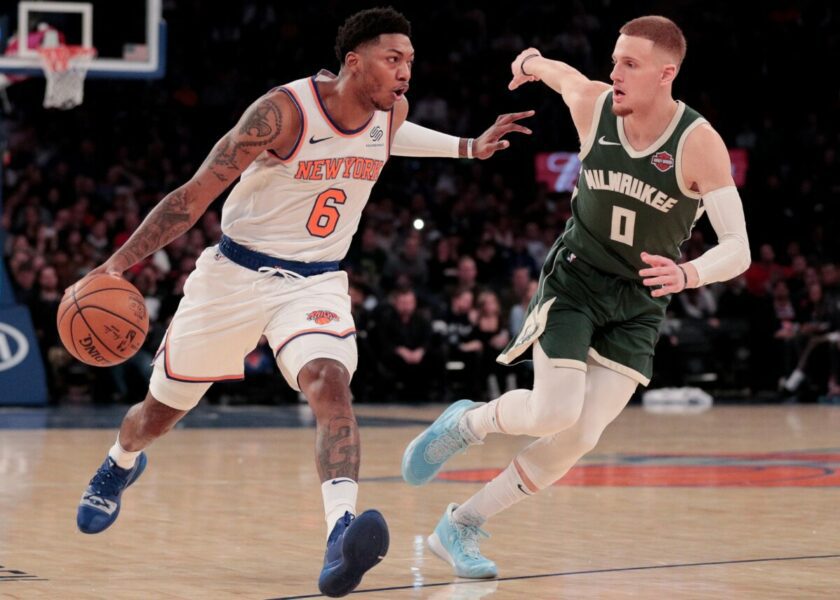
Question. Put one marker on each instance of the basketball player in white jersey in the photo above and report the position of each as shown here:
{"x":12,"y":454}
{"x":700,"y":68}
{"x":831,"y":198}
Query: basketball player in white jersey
{"x":308,"y":154}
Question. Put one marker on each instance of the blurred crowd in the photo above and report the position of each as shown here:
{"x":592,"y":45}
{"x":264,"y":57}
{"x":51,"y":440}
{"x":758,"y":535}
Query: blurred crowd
{"x":448,"y":253}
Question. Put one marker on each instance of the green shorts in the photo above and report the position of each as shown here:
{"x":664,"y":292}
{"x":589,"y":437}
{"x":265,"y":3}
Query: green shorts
{"x":580,"y":312}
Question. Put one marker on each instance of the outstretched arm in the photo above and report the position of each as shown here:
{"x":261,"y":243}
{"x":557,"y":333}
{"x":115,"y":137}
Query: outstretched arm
{"x":410,"y":139}
{"x":707,"y":170}
{"x":272,"y":122}
{"x":578,"y":91}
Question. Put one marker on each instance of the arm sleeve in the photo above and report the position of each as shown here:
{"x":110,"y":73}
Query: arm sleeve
{"x":415,"y":140}
{"x":731,"y":256}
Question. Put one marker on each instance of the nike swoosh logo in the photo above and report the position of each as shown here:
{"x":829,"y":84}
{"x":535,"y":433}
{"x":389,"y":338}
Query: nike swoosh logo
{"x":312,"y":140}
{"x":604,"y":142}
{"x":522,"y":489}
{"x":337,"y":481}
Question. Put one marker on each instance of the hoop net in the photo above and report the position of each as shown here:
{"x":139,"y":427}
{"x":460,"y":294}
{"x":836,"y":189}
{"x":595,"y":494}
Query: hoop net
{"x":65,"y":68}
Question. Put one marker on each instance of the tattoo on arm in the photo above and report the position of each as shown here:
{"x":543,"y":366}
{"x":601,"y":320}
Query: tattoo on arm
{"x":258,"y":129}
{"x":338,"y":450}
{"x":168,"y":220}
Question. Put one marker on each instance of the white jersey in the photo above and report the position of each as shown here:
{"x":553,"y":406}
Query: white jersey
{"x":307,"y":206}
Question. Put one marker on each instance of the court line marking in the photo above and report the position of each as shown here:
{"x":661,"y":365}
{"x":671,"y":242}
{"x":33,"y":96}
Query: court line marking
{"x":569,"y":573}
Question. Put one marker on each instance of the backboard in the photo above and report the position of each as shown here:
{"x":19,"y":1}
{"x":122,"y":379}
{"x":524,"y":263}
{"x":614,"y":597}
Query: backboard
{"x":129,"y":35}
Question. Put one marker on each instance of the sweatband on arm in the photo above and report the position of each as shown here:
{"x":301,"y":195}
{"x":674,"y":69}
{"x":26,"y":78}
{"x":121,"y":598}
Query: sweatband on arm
{"x":415,"y":140}
{"x":731,"y":256}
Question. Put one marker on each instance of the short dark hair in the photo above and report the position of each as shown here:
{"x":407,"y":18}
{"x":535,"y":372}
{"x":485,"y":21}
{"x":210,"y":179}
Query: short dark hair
{"x":366,"y":26}
{"x":662,"y":31}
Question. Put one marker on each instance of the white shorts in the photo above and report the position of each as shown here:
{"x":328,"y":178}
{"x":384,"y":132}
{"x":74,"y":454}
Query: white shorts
{"x":225,"y":310}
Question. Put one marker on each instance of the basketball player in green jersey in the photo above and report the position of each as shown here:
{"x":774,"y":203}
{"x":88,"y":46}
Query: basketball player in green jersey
{"x":650,"y":167}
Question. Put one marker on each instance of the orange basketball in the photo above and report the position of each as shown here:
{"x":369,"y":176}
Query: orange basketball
{"x":103,"y":320}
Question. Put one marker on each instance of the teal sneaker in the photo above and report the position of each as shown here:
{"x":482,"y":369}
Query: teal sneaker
{"x":442,"y":440}
{"x":457,"y":544}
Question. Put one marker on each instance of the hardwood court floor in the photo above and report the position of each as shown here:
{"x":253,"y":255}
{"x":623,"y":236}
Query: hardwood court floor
{"x":738,"y":502}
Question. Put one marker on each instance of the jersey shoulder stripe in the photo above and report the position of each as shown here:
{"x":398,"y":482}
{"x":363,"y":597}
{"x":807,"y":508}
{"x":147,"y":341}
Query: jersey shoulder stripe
{"x":301,"y":133}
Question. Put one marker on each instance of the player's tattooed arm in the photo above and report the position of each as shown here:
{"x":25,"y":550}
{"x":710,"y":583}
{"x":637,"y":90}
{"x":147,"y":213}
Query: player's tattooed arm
{"x":338,"y":449}
{"x":168,"y":220}
{"x":270,"y":123}
{"x":262,"y":127}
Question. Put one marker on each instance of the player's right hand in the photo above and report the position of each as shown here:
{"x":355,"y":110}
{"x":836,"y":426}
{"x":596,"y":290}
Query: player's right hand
{"x":516,"y":69}
{"x":101,"y":269}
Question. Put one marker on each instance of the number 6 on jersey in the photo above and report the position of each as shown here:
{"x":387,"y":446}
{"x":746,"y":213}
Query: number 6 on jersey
{"x":324,"y":216}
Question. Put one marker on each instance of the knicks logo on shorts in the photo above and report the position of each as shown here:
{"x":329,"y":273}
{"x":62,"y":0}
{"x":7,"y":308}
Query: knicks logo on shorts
{"x":322,"y":317}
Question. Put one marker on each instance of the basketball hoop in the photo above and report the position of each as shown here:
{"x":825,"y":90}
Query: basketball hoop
{"x":65,"y":68}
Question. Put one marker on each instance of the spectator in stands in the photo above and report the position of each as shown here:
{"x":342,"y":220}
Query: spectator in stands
{"x":467,"y":275}
{"x":461,"y":345}
{"x":492,"y":332}
{"x":443,"y":268}
{"x":410,"y":261}
{"x":765,"y":272}
{"x":404,"y":338}
{"x":367,"y":259}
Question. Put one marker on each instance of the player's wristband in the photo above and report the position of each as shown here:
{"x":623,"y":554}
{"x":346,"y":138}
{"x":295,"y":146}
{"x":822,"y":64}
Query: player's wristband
{"x":522,"y":64}
{"x":685,"y":278}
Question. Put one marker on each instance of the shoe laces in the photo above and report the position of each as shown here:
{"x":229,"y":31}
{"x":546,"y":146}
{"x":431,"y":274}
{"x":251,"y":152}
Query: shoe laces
{"x":468,"y":536}
{"x":445,"y":446}
{"x":106,"y":482}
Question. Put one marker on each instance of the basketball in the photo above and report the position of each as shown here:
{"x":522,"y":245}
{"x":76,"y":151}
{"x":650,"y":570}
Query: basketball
{"x":102,"y":321}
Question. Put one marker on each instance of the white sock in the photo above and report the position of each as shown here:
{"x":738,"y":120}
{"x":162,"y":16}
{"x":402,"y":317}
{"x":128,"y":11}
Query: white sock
{"x":795,"y":380}
{"x":482,"y":420}
{"x":339,"y":497}
{"x":121,"y":456}
{"x":502,"y":492}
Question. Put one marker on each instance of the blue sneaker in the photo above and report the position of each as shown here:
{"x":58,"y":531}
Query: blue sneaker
{"x":355,"y":545}
{"x":100,"y":503}
{"x":442,"y":440}
{"x":457,"y":544}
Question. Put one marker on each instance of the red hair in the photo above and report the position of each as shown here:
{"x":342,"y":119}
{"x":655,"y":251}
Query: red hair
{"x":663,"y":32}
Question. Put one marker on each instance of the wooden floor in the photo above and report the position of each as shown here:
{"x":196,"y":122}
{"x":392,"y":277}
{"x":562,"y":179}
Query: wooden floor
{"x":731,"y":503}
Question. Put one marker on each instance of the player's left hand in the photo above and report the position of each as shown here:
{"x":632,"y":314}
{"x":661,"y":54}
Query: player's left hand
{"x":664,"y":275}
{"x":489,"y":142}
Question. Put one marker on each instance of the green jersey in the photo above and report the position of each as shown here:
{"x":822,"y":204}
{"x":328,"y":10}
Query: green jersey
{"x":628,"y":201}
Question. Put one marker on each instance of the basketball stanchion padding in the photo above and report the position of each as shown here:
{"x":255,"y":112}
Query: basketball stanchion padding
{"x":103,"y":321}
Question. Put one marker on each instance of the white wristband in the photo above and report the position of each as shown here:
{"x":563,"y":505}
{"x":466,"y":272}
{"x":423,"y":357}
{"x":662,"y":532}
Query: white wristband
{"x":469,"y":147}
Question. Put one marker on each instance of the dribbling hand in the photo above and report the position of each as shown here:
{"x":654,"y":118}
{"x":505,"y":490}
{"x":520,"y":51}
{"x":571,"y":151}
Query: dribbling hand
{"x":100,"y":270}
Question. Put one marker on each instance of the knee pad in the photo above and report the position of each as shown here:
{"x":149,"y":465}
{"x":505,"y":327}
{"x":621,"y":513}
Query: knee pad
{"x":553,"y":405}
